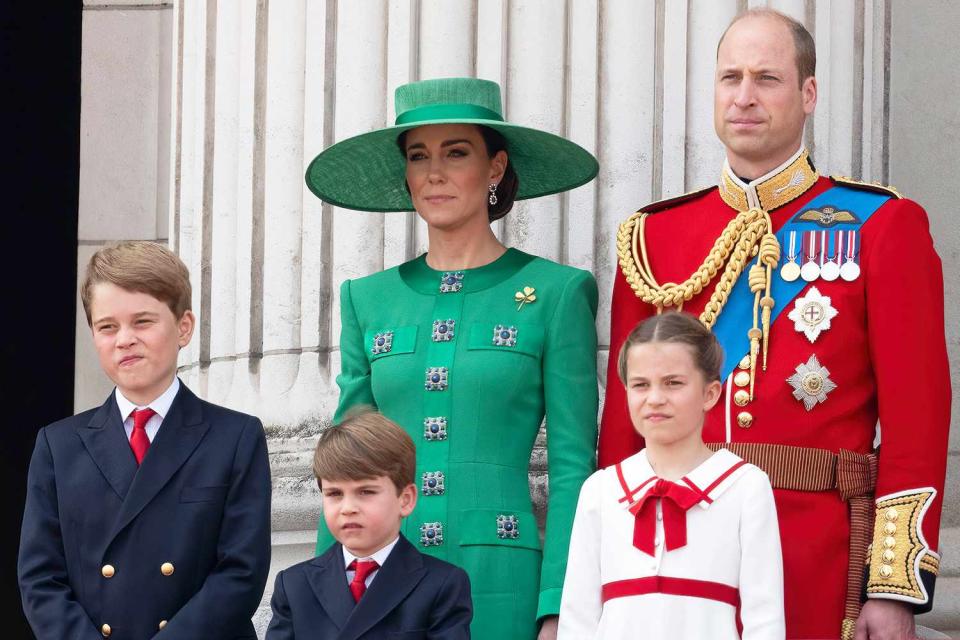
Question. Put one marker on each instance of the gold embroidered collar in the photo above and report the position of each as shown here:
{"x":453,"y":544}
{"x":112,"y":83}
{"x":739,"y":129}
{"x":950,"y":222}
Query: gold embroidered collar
{"x":785,"y":183}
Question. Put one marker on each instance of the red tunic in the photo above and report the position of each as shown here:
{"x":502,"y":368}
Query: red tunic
{"x":886,"y":352}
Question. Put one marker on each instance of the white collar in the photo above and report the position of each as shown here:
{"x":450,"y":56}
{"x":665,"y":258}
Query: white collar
{"x":161,"y":405}
{"x":379,"y":556}
{"x":712,"y":476}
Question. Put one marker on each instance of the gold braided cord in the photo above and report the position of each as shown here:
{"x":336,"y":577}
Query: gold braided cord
{"x":730,"y":254}
{"x":749,"y":234}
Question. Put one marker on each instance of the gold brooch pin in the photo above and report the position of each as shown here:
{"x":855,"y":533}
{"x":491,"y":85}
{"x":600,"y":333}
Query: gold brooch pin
{"x":525,"y":296}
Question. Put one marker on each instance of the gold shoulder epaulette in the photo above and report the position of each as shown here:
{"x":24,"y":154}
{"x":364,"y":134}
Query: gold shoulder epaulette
{"x":869,"y":186}
{"x":660,"y":205}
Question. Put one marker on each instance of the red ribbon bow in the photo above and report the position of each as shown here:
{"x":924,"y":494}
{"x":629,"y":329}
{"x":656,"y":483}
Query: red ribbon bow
{"x":675,"y":500}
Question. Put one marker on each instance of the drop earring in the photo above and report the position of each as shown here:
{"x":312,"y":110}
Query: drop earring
{"x":493,"y":194}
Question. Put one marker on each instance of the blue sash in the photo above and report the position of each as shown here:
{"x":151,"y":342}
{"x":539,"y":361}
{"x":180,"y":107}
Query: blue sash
{"x":737,"y":315}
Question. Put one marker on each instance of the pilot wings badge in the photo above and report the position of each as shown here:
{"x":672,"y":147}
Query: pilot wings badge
{"x":828,"y":216}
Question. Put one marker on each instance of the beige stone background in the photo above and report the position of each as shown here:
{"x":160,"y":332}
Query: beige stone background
{"x":198,"y":118}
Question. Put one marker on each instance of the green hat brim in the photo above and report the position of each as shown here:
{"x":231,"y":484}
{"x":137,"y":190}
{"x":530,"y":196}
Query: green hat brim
{"x":368,"y":172}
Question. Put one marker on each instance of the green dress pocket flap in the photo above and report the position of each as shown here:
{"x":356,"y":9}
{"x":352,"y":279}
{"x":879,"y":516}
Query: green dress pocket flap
{"x":389,"y":341}
{"x":499,"y":527}
{"x":506,"y":336}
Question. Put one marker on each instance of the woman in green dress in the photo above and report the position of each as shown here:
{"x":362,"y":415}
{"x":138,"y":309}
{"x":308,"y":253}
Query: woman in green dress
{"x":471,"y":344}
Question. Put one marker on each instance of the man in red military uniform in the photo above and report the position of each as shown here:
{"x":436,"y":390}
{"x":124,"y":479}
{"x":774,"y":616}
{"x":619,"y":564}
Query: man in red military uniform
{"x":827,"y":295}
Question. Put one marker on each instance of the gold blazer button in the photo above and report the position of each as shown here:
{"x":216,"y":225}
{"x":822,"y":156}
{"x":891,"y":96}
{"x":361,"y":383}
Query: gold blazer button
{"x":166,"y":569}
{"x":106,"y":630}
{"x":107,"y":571}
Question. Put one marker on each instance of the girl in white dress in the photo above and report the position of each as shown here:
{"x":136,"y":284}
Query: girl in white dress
{"x":677,"y":539}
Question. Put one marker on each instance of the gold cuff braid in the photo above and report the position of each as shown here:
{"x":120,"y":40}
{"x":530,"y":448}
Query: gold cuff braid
{"x":899,"y":550}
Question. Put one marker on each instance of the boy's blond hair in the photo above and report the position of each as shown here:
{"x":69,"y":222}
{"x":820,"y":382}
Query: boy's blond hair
{"x":365,"y":445}
{"x":140,"y":266}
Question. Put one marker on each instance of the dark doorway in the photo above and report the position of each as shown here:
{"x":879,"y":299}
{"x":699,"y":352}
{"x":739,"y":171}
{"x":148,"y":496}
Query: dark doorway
{"x":40,"y":62}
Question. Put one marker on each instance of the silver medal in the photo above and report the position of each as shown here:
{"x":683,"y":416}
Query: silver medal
{"x":810,"y":270}
{"x":850,"y":270}
{"x":830,"y":270}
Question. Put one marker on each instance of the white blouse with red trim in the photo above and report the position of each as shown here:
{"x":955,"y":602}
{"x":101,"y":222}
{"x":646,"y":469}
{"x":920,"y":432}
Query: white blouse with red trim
{"x":731,"y":558}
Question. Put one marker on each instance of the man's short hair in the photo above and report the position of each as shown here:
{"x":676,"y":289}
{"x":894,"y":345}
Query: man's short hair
{"x":803,"y":44}
{"x":139,"y":266}
{"x":365,"y":445}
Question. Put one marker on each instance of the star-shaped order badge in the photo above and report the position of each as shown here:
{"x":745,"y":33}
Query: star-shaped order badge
{"x":812,"y":314}
{"x":811,"y":383}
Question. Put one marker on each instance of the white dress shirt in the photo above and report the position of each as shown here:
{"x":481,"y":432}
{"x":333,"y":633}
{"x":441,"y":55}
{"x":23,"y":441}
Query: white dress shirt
{"x":160,"y":406}
{"x":380,"y":557}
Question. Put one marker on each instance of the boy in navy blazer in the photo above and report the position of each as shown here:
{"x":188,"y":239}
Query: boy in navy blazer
{"x":371,"y":583}
{"x":150,"y":515}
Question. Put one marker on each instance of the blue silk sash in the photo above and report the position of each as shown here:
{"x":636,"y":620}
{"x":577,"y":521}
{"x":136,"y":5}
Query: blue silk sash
{"x":736,"y":317}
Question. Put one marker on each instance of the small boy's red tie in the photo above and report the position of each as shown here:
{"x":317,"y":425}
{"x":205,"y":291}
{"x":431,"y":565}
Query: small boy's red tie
{"x":363,"y":568}
{"x":139,"y":441}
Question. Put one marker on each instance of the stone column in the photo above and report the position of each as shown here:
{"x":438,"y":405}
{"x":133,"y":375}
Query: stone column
{"x":124,"y":145}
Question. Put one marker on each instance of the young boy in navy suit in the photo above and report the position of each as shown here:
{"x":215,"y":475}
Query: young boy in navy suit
{"x":371,"y":583}
{"x":150,"y":515}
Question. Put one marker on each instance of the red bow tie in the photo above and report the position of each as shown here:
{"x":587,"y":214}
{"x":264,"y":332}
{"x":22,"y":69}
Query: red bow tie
{"x":675,"y":500}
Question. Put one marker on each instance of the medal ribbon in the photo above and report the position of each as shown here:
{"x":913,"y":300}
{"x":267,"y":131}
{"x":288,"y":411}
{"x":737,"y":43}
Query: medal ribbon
{"x":738,"y":312}
{"x":675,"y":500}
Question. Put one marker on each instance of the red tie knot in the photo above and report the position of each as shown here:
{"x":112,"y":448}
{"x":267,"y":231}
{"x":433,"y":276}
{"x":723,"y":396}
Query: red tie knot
{"x":141,"y":417}
{"x":362,"y":569}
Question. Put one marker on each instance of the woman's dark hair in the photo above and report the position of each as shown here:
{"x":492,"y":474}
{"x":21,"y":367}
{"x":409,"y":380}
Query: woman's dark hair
{"x":507,"y":188}
{"x":676,"y":327}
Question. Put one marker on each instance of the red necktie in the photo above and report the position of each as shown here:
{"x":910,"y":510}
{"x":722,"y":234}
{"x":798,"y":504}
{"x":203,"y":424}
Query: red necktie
{"x":139,"y":441}
{"x":363,"y":568}
{"x":675,"y":501}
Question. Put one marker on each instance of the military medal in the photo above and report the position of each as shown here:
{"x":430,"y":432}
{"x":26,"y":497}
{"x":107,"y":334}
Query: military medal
{"x":812,"y":314}
{"x":830,"y":270}
{"x":811,"y":383}
{"x":850,"y":270}
{"x":810,"y":270}
{"x":791,"y":270}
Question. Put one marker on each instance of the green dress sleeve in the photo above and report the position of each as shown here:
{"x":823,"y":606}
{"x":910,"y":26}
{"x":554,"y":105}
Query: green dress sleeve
{"x":354,"y":381}
{"x":570,"y":395}
{"x":354,"y":378}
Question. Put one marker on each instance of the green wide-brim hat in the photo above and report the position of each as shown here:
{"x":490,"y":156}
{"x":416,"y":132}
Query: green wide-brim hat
{"x":368,"y":172}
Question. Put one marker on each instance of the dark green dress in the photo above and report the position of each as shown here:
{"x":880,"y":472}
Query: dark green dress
{"x":469,"y":375}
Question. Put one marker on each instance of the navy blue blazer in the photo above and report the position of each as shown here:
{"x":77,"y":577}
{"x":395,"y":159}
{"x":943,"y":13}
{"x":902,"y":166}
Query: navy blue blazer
{"x":412,"y":596}
{"x":182,"y":543}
